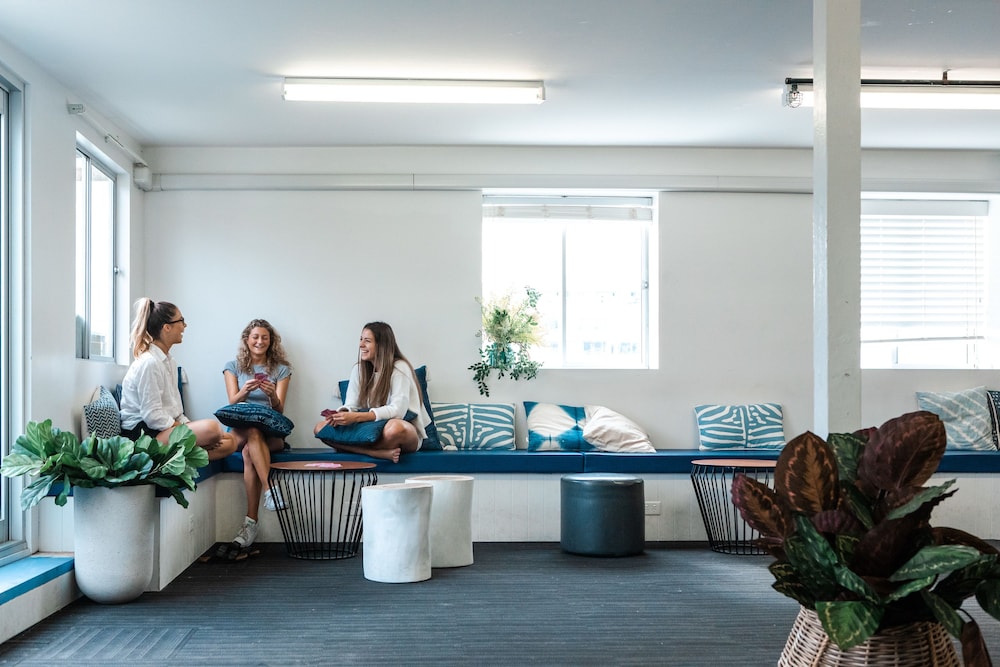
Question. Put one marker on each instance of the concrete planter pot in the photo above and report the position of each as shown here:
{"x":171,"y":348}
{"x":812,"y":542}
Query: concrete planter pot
{"x":114,"y":541}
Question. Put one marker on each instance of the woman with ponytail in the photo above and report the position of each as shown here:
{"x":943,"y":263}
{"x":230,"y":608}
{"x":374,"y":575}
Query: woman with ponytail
{"x":151,"y":400}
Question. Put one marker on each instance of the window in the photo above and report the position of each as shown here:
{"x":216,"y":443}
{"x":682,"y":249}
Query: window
{"x":95,"y":258}
{"x":590,"y":258}
{"x":925,"y":284}
{"x":13,"y":526}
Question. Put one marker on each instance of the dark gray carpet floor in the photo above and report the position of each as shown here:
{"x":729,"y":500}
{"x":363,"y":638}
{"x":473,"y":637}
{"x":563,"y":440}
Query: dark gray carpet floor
{"x":518,"y":604}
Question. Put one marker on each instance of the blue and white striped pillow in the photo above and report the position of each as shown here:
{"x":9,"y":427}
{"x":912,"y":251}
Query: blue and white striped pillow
{"x":755,"y":426}
{"x":474,"y":425}
{"x":966,"y":416}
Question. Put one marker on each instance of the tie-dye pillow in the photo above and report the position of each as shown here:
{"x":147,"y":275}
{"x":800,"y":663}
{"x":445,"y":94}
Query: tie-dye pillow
{"x":554,"y":427}
{"x":755,"y":426}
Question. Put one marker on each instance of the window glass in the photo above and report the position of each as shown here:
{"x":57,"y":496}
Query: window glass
{"x":925,"y":285}
{"x":589,"y":259}
{"x":95,"y":289}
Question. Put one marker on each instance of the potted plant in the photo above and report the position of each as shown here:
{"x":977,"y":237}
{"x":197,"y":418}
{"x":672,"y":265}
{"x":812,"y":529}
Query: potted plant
{"x":509,"y":330}
{"x":114,"y":507}
{"x":848,"y":522}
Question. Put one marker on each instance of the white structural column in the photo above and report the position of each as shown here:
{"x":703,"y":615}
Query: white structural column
{"x":836,"y":217}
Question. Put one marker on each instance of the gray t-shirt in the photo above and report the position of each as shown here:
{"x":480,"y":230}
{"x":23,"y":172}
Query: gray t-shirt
{"x":257,"y":396}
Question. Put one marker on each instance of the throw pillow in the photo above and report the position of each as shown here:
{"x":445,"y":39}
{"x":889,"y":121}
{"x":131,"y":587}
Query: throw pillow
{"x":754,"y":426}
{"x":268,"y":420}
{"x":432,"y":441}
{"x":966,"y":416}
{"x":994,"y":406}
{"x":362,"y":433}
{"x":101,"y":416}
{"x":552,"y":426}
{"x":475,"y":425}
{"x":609,"y":431}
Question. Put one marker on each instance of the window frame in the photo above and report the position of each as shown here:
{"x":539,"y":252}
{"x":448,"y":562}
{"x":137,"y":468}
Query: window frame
{"x":15,"y":529}
{"x":85,"y":251}
{"x":564,"y":210}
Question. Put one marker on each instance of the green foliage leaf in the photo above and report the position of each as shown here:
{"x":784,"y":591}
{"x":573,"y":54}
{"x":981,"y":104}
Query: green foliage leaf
{"x":58,"y":456}
{"x":944,"y":613}
{"x":925,"y":495}
{"x":849,"y":623}
{"x":847,"y":448}
{"x":988,"y":597}
{"x":34,"y":492}
{"x":936,"y":560}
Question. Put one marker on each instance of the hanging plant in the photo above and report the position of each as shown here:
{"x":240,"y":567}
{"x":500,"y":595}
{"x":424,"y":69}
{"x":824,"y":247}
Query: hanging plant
{"x":509,"y":330}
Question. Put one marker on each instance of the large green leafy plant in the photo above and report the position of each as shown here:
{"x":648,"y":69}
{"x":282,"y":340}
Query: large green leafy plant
{"x":510,"y":329}
{"x":59,"y":456}
{"x":848,"y":522}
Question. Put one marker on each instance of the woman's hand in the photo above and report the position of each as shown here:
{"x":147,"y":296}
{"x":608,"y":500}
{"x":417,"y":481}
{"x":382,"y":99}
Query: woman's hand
{"x":342,"y":417}
{"x":247,"y":388}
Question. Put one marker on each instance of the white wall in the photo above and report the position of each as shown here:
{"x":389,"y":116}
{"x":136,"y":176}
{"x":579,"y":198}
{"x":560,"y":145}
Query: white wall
{"x":56,"y":381}
{"x":735,"y":268}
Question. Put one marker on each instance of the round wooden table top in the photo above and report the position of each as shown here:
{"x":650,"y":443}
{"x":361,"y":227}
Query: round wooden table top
{"x":736,"y":463}
{"x":319,"y":466}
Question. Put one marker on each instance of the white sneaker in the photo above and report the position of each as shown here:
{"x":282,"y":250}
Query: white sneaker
{"x":247,"y":534}
{"x":273,"y":500}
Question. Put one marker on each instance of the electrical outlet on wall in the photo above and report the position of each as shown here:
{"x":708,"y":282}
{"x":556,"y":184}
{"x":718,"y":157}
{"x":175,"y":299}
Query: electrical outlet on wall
{"x":652,"y":507}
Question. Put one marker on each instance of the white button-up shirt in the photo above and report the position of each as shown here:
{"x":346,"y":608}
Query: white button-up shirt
{"x":150,"y":393}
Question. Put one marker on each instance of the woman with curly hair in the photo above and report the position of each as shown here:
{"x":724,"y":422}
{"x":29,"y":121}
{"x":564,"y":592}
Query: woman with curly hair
{"x":260,"y":374}
{"x":151,"y":400}
{"x":383,"y":386}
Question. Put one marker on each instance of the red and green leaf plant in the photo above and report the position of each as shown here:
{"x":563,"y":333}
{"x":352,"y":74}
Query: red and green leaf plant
{"x":848,"y":523}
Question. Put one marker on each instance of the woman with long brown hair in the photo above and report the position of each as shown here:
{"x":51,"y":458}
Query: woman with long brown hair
{"x":383,"y":386}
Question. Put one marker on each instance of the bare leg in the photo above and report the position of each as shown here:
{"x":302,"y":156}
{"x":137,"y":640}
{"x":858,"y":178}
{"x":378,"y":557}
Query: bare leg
{"x":398,"y":437}
{"x":210,"y":436}
{"x":370,"y":450}
{"x":251,"y":483}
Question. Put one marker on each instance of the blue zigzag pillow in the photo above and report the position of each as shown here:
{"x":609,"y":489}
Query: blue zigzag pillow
{"x":475,"y":425}
{"x":552,"y":426}
{"x":755,"y":426}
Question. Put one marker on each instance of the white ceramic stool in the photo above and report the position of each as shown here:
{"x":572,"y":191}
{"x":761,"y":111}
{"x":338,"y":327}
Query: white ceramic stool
{"x":451,"y":519}
{"x":396,"y":541}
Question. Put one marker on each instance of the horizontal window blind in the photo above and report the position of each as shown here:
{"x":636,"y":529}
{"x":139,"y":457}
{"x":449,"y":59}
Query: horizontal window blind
{"x":923,"y":277}
{"x":568,"y":208}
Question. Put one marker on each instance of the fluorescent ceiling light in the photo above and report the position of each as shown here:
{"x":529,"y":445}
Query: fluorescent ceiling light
{"x":908,"y":94}
{"x":440,"y":91}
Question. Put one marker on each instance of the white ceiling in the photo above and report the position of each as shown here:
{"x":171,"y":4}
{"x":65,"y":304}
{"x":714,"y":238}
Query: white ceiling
{"x":617,"y":72}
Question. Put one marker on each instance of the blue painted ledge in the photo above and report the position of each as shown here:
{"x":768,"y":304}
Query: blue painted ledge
{"x":26,"y":574}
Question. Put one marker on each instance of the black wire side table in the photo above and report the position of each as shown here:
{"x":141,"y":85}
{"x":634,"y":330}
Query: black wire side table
{"x":322,"y":515}
{"x":713,"y":479}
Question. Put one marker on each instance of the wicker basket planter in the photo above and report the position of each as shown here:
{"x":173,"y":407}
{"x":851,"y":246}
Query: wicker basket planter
{"x":914,"y":645}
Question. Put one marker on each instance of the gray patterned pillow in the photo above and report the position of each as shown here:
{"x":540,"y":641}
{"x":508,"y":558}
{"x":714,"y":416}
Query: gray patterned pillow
{"x":101,"y":416}
{"x":966,"y":416}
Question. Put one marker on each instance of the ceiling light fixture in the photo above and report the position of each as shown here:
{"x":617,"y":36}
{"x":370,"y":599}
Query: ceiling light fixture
{"x":419,"y":91}
{"x":908,"y":94}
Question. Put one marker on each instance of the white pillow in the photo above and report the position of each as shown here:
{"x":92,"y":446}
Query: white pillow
{"x":609,"y":431}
